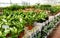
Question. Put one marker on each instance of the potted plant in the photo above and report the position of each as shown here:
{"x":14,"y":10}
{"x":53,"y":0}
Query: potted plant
{"x":42,"y":17}
{"x":11,"y":24}
{"x":30,"y":17}
{"x":54,"y":10}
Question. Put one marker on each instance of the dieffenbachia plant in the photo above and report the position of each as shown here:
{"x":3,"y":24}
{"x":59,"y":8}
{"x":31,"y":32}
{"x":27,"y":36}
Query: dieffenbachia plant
{"x":11,"y":22}
{"x":30,"y":17}
{"x":42,"y":15}
{"x":16,"y":20}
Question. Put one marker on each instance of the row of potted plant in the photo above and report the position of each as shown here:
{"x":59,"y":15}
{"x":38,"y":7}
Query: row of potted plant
{"x":46,"y":29}
{"x":52,"y":9}
{"x":12,"y":23}
{"x":17,"y":20}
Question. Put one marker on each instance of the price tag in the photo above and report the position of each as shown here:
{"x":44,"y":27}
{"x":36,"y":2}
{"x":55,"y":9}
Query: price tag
{"x":5,"y":26}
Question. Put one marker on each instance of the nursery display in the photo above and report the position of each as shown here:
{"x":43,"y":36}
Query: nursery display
{"x":15,"y":18}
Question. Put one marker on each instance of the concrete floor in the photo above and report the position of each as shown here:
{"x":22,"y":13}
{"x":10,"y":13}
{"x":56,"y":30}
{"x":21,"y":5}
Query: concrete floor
{"x":55,"y":33}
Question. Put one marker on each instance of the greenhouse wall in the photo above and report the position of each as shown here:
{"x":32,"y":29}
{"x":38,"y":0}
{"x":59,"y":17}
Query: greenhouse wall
{"x":4,"y":3}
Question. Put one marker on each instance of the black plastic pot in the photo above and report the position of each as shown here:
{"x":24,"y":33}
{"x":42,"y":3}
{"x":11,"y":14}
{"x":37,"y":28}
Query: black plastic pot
{"x":41,"y":21}
{"x":46,"y":18}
